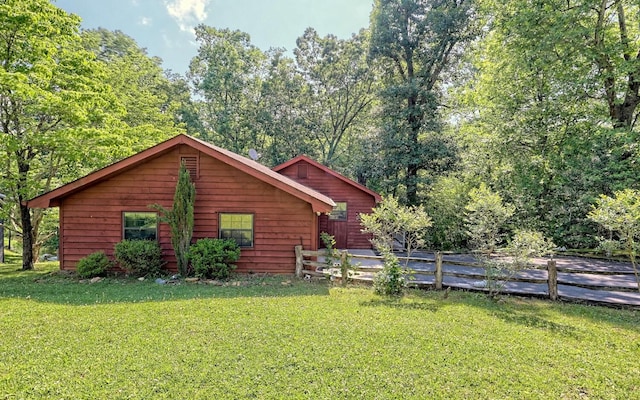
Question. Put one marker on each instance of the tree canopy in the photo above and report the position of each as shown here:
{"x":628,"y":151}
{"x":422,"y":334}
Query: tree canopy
{"x":538,"y":101}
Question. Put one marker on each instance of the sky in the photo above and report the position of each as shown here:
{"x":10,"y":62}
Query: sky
{"x":165,"y":27}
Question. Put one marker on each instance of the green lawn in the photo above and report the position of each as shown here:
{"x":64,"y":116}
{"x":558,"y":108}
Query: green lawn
{"x":126,"y":339}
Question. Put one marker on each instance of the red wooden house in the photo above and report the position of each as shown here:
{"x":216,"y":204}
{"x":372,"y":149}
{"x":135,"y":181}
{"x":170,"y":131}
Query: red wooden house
{"x":350,"y":197}
{"x":266,"y":212}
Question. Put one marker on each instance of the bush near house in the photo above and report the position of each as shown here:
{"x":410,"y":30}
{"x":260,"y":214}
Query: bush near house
{"x":139,"y":257}
{"x":214,"y":258}
{"x":95,"y":264}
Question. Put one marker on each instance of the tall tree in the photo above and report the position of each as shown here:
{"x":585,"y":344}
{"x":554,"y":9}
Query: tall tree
{"x":51,"y":99}
{"x":553,"y":109}
{"x":227,"y":75}
{"x":148,"y":97}
{"x":418,"y":40}
{"x":280,"y":117}
{"x":338,"y":91}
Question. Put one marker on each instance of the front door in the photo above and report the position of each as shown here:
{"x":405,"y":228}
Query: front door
{"x":337,"y":224}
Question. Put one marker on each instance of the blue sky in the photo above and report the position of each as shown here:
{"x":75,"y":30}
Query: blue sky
{"x":165,"y":27}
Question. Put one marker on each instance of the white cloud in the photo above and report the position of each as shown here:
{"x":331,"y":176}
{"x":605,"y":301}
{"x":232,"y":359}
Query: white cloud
{"x":187,"y":13}
{"x":145,"y":21}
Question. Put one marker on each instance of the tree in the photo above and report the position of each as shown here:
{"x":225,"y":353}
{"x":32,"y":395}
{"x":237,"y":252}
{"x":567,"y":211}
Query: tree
{"x":180,"y":218}
{"x":485,"y":216}
{"x":148,"y":97}
{"x":227,"y":75}
{"x":388,"y":221}
{"x":338,"y":90}
{"x":279,"y":117}
{"x":621,"y":216}
{"x":546,"y":124}
{"x":52,"y":102}
{"x":417,"y":40}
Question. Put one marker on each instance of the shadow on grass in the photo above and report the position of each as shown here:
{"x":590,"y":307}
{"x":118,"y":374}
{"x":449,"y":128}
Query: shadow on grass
{"x":47,"y":284}
{"x":542,"y":314}
{"x":533,"y":318}
{"x":399,"y":303}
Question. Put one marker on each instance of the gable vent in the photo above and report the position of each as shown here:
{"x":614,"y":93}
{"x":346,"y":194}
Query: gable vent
{"x":191,"y":163}
{"x":302,"y":170}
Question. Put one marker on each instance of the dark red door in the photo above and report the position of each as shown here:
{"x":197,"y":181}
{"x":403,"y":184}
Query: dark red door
{"x":337,"y":224}
{"x":339,"y":231}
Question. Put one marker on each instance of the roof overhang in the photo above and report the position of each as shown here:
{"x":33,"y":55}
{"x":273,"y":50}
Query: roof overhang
{"x":329,"y":171}
{"x":319,"y":202}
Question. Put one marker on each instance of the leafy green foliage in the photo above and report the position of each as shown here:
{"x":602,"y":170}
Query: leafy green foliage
{"x":416,"y":42}
{"x":332,"y":254}
{"x":226,"y":76}
{"x":52,"y":103}
{"x":338,"y":92}
{"x":95,"y":264}
{"x":445,"y":203}
{"x":485,"y":216}
{"x":145,"y":93}
{"x":527,"y":244}
{"x":214,"y":258}
{"x":139,"y":257}
{"x":621,"y":216}
{"x":524,"y":245}
{"x":389,"y":220}
{"x":180,"y":218}
{"x":548,"y":110}
{"x":391,"y":281}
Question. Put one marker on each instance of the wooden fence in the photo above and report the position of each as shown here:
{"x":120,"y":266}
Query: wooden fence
{"x":311,"y":263}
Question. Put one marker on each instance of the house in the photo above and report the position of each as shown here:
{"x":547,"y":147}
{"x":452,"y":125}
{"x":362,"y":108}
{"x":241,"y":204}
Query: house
{"x":265,"y":211}
{"x":350,"y":197}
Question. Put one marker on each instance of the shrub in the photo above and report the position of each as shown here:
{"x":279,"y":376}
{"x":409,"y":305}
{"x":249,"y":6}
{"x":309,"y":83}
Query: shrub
{"x":214,"y":258}
{"x":332,"y":254}
{"x":95,"y":264}
{"x":391,"y":281}
{"x":139,"y":257}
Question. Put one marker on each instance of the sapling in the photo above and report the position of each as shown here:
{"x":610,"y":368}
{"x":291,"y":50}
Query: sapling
{"x":621,"y":216}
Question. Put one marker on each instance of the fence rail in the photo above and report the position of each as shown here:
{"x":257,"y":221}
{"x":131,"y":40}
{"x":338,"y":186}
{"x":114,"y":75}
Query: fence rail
{"x":432,"y":272}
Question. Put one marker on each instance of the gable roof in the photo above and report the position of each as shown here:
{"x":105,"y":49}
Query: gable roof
{"x":318,"y":201}
{"x":329,"y":171}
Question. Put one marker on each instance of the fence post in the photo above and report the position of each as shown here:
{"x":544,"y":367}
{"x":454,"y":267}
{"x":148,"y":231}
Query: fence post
{"x":344,"y":270}
{"x":299,"y":259}
{"x":553,"y":279}
{"x":438,"y":271}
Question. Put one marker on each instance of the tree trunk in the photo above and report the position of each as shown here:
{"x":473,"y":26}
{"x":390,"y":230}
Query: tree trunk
{"x":411,"y":182}
{"x":25,"y":212}
{"x":27,"y":237}
{"x":414,"y":119}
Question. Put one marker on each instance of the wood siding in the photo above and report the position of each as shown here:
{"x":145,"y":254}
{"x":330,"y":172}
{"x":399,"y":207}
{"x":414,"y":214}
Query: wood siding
{"x":91,"y":220}
{"x":358,"y":201}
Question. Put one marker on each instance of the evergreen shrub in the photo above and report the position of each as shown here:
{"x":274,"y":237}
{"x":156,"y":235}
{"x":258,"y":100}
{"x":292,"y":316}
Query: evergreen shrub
{"x":139,"y":257}
{"x":214,"y":258}
{"x":95,"y":264}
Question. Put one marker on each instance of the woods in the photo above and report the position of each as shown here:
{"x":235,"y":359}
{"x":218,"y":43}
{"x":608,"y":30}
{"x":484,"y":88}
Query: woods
{"x":436,"y":101}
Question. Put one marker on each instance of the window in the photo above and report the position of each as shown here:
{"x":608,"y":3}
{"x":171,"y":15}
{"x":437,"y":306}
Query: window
{"x":339,"y":212}
{"x":140,"y":225}
{"x":238,"y":227}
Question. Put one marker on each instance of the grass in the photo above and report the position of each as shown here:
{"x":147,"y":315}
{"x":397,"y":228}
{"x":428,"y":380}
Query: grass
{"x":127,"y":339}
